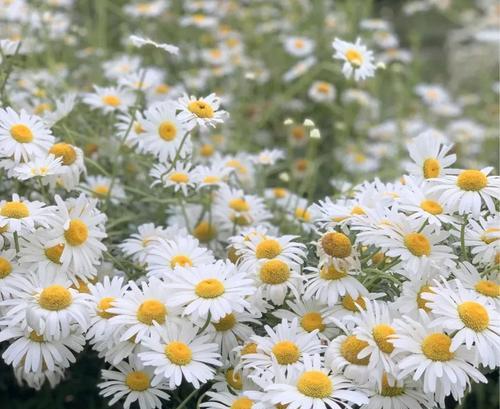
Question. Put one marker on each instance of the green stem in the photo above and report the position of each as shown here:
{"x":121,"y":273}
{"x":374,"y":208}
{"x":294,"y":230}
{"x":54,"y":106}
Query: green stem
{"x":186,"y":401}
{"x":16,"y":241}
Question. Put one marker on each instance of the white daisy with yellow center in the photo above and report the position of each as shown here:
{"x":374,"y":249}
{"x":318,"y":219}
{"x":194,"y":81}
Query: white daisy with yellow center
{"x":201,"y":111}
{"x":11,"y":273}
{"x":100,"y":187}
{"x":321,"y":91}
{"x":182,"y":178}
{"x":358,"y":60}
{"x":109,"y":99}
{"x":137,"y":245}
{"x":298,"y":46}
{"x":23,"y":216}
{"x":483,"y":238}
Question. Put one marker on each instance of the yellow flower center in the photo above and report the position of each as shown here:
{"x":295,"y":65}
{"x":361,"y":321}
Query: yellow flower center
{"x":350,"y":349}
{"x":207,"y":150}
{"x":239,"y":205}
{"x":381,"y":334}
{"x":286,"y":352}
{"x":111,"y":100}
{"x":167,"y":131}
{"x":204,"y":232}
{"x":234,"y":379}
{"x":488,"y":288}
{"x":180,"y":260}
{"x":209,"y":288}
{"x":162,"y":89}
{"x":274,"y":272}
{"x":315,"y":384}
{"x":474,"y":315}
{"x":36,"y":337}
{"x":178,"y":353}
{"x":323,"y":88}
{"x":336,"y":245}
{"x":350,"y":304}
{"x":152,"y":310}
{"x":378,"y":257}
{"x":280,"y":192}
{"x":77,"y":233}
{"x":250,"y":348}
{"x":302,"y":214}
{"x":64,"y":151}
{"x":472,"y":180}
{"x":21,"y":133}
{"x":431,"y":206}
{"x":225,"y":323}
{"x":431,"y":168}
{"x":486,"y":238}
{"x":103,"y":305}
{"x":15,"y":210}
{"x":422,"y":303}
{"x":242,"y":403}
{"x":201,"y":109}
{"x":81,"y":286}
{"x":311,"y":321}
{"x":390,"y":391}
{"x":331,"y":273}
{"x":54,"y":253}
{"x":179,"y":177}
{"x":268,"y":248}
{"x":211,"y":179}
{"x":417,"y":244}
{"x":437,"y":347}
{"x":5,"y":267}
{"x":55,"y":298}
{"x":41,"y":108}
{"x":101,"y":191}
{"x":354,"y":57}
{"x":137,"y":381}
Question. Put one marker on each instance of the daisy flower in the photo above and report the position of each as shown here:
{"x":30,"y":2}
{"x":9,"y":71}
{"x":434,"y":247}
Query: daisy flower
{"x":335,"y":248}
{"x":145,"y":9}
{"x":432,"y":94}
{"x":465,"y":191}
{"x":321,"y":91}
{"x":430,"y":156}
{"x":358,"y":60}
{"x":38,"y":167}
{"x":20,"y":215}
{"x":213,"y":290}
{"x":133,"y":381}
{"x":314,"y":387}
{"x":178,"y":352}
{"x":35,"y":254}
{"x":99,"y":186}
{"x":23,"y":136}
{"x":109,"y":99}
{"x":299,"y":46}
{"x":72,"y":165}
{"x":138,"y":244}
{"x":117,"y":67}
{"x":268,"y":157}
{"x":228,"y":400}
{"x":487,"y":286}
{"x":181,"y":177}
{"x":131,"y":130}
{"x":216,"y":174}
{"x":165,"y":135}
{"x":10,"y":272}
{"x":483,"y":237}
{"x":200,"y":111}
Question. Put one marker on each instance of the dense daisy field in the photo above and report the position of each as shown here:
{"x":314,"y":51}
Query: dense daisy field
{"x":222,"y":204}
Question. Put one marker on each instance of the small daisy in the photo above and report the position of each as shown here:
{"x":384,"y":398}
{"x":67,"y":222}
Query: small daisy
{"x":72,"y":165}
{"x":109,"y":99}
{"x":34,"y":254}
{"x":487,"y":286}
{"x":321,"y":91}
{"x":131,"y":130}
{"x":268,"y":157}
{"x":178,"y":352}
{"x":215,"y":174}
{"x":432,"y":94}
{"x":357,"y":59}
{"x":200,"y":111}
{"x":20,"y":215}
{"x":483,"y":237}
{"x":181,"y":177}
{"x":228,"y":400}
{"x":138,"y":244}
{"x":99,"y":186}
{"x":10,"y":273}
{"x":38,"y":167}
{"x":335,"y":248}
{"x":122,"y":65}
{"x":299,"y":46}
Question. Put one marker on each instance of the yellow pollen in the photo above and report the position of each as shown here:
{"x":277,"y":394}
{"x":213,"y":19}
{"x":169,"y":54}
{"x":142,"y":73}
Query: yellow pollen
{"x":242,"y":403}
{"x":472,"y":180}
{"x":390,"y":391}
{"x":301,"y":165}
{"x":64,"y":151}
{"x":5,"y":267}
{"x":323,"y":87}
{"x":181,"y":261}
{"x":234,"y":379}
{"x":111,"y":100}
{"x":201,"y":109}
{"x":274,"y":272}
{"x":36,"y":337}
{"x":336,"y":244}
{"x":162,"y":89}
{"x":167,"y":131}
{"x":15,"y":210}
{"x":279,"y":192}
{"x":354,"y":57}
{"x":209,"y":288}
{"x":302,"y":214}
{"x":103,"y":305}
{"x":237,"y":165}
{"x":381,"y":333}
{"x":331,"y":273}
{"x":490,"y":235}
{"x":437,"y":347}
{"x":239,"y":205}
{"x":207,"y":150}
{"x":55,"y":298}
{"x":77,"y":233}
{"x":211,"y":179}
{"x":431,"y":168}
{"x":137,"y":381}
{"x":250,"y":348}
{"x":431,"y":206}
{"x":204,"y":232}
{"x":54,"y":253}
{"x":178,"y":353}
{"x":378,"y":257}
{"x":286,"y":352}
{"x":315,"y":384}
{"x":225,"y":323}
{"x":298,"y":132}
{"x":268,"y":248}
{"x":357,"y":210}
{"x":311,"y":321}
{"x":474,"y":315}
{"x":417,"y":244}
{"x":350,"y":349}
{"x":488,"y":288}
{"x":179,"y":177}
{"x":422,"y":303}
{"x":21,"y":133}
{"x":350,"y":304}
{"x":101,"y":191}
{"x":152,"y":310}
{"x":41,"y":108}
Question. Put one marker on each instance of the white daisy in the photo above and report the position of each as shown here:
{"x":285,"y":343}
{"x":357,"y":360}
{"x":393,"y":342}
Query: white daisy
{"x":10,"y":272}
{"x":72,"y":165}
{"x":358,"y":60}
{"x":38,"y":167}
{"x":321,"y":91}
{"x":138,"y":244}
{"x":486,"y":286}
{"x":483,"y":237}
{"x":181,"y":177}
{"x":21,"y":215}
{"x":99,"y":187}
{"x":298,"y":46}
{"x":200,"y":111}
{"x":109,"y":99}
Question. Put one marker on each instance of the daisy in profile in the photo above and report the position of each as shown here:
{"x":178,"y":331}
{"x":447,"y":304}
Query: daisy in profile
{"x":314,"y":387}
{"x":132,"y":129}
{"x":425,"y":350}
{"x":132,"y":380}
{"x":284,"y":346}
{"x":99,"y":187}
{"x":177,"y":352}
{"x":213,"y":290}
{"x":181,"y":178}
{"x":483,"y":238}
{"x":109,"y":99}
{"x":165,"y":135}
{"x":321,"y":91}
{"x":201,"y":111}
{"x":21,"y":215}
{"x":465,"y":191}
{"x":471,"y":315}
{"x":34,"y":253}
{"x":358,"y":60}
{"x":23,"y":136}
{"x":42,"y":167}
{"x":431,"y":158}
{"x":72,"y":165}
{"x":487,"y":286}
{"x":298,"y":46}
{"x":137,"y":245}
{"x":10,"y":272}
